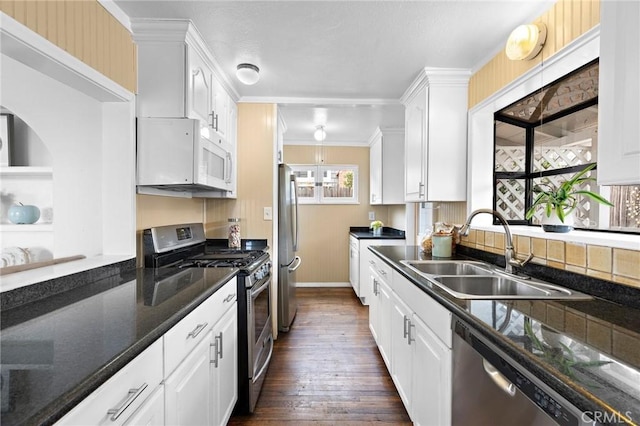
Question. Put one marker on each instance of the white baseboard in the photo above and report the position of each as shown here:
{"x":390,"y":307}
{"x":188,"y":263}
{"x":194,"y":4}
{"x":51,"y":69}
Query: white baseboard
{"x":326,"y":284}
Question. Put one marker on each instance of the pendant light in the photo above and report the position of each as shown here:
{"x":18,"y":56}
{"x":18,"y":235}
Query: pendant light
{"x":320,"y":134}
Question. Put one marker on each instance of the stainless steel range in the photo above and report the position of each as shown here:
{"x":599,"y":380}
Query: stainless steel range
{"x":185,"y":247}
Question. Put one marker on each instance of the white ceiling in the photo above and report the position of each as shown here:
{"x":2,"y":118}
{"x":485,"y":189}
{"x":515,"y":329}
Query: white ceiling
{"x":350,"y":61}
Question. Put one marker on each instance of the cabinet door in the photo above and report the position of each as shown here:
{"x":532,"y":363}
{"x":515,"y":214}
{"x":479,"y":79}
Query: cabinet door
{"x":431,"y":388}
{"x":375,"y":171}
{"x":372,"y":282}
{"x":415,"y":141}
{"x":188,"y":391}
{"x":354,"y":264}
{"x":384,"y":322}
{"x":224,"y":367}
{"x":152,"y":411}
{"x":401,"y":368}
{"x":619,"y":94}
{"x":220,"y":107}
{"x":199,"y":99}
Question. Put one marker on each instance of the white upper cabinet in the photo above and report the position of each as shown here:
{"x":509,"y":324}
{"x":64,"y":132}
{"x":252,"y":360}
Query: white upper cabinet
{"x":436,"y":136}
{"x":177,"y":77}
{"x":386,"y":163}
{"x":281,"y":130}
{"x":199,"y":90}
{"x":619,"y":94}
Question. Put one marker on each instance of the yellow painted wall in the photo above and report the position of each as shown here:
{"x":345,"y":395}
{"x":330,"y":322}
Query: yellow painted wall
{"x":85,"y":30}
{"x":324,"y":229}
{"x":565,"y":21}
{"x":256,"y":136}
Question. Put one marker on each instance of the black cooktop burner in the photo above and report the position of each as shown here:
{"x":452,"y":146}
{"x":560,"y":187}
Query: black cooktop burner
{"x":224,"y":259}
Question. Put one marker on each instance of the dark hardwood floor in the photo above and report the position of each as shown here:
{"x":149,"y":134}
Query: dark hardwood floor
{"x":327,"y":370}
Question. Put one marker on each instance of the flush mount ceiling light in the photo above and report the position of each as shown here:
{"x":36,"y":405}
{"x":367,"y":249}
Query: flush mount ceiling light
{"x":320,"y":134}
{"x":526,"y":41}
{"x":248,"y":74}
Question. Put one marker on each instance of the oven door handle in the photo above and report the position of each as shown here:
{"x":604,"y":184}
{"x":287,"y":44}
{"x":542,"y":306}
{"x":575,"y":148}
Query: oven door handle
{"x":266,"y":363}
{"x":261,"y":288}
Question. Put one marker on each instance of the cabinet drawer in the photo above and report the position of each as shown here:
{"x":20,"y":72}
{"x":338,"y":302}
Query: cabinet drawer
{"x":185,"y":335}
{"x":223,"y":299}
{"x":381,"y":268}
{"x":121,"y":395}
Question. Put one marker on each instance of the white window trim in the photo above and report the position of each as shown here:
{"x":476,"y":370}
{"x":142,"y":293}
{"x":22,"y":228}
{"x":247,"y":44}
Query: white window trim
{"x":480,"y":147}
{"x":319,"y":199}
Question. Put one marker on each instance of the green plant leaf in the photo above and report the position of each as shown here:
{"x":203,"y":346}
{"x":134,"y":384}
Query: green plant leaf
{"x":597,"y":197}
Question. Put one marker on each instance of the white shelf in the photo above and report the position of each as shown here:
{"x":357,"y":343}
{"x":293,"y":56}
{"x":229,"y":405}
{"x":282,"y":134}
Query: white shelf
{"x":34,"y":227}
{"x":26,"y":171}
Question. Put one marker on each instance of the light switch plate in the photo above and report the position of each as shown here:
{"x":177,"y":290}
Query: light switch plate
{"x":372,"y":215}
{"x":268,"y":213}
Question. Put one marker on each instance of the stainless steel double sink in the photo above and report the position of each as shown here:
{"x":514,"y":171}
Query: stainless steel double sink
{"x":477,"y":280}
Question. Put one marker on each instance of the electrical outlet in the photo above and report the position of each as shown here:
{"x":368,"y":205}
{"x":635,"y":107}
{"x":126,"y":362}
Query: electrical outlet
{"x":268,"y":213}
{"x":372,"y":215}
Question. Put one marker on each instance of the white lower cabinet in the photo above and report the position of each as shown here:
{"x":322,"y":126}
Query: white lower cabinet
{"x":401,"y":350}
{"x":431,"y":386}
{"x":367,"y":259}
{"x":413,"y":333}
{"x":203,"y":389}
{"x":380,"y":314}
{"x":124,"y":394}
{"x":224,"y":367}
{"x":187,"y":389}
{"x":198,"y":360}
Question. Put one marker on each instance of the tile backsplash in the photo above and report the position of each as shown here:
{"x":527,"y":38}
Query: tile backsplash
{"x":621,"y":266}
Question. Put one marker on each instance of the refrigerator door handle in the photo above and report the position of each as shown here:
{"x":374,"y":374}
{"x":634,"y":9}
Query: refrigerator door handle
{"x":298,"y":263}
{"x":295,"y":227}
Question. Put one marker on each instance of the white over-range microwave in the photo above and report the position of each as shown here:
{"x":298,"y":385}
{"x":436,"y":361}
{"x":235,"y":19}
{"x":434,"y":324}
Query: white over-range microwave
{"x":176,"y":154}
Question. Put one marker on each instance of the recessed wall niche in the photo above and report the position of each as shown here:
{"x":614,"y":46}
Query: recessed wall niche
{"x":26,"y":180}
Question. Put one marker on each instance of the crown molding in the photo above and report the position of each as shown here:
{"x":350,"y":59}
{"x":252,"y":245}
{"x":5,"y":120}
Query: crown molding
{"x":429,"y":76}
{"x":326,"y":102}
{"x":313,"y":142}
{"x":380,"y":131}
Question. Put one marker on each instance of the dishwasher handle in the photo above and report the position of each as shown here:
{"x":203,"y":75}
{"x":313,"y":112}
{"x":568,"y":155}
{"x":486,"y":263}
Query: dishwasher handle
{"x":497,"y":377}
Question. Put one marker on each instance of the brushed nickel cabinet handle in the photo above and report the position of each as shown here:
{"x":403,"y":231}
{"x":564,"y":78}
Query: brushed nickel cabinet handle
{"x":132,"y":395}
{"x":194,"y":333}
{"x":409,"y":338}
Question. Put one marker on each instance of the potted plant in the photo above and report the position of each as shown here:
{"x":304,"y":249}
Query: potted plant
{"x":376,"y":226}
{"x":560,"y":202}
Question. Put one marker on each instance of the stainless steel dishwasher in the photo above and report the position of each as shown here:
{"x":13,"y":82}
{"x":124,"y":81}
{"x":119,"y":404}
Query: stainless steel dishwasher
{"x":489,"y":388}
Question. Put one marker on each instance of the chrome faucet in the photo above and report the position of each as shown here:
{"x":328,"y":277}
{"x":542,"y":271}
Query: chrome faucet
{"x":509,"y":254}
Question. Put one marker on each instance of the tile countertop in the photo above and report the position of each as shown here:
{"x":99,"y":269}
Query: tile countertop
{"x":58,"y":350}
{"x":364,"y":233}
{"x":612,"y":388}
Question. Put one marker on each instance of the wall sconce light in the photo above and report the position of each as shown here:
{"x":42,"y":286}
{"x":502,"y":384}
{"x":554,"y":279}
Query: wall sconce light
{"x":526,"y":41}
{"x":320,"y":134}
{"x":248,"y":74}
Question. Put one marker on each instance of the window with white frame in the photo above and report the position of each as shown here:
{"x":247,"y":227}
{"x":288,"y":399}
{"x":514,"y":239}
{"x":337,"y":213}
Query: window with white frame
{"x":326,"y":184}
{"x":546,"y":138}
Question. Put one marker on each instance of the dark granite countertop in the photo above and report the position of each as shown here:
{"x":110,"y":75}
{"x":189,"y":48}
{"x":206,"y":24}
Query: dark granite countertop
{"x":57,"y":350}
{"x":575,"y":330}
{"x":364,"y":233}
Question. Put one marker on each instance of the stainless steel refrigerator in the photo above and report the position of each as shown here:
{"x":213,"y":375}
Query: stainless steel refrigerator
{"x":288,"y":232}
